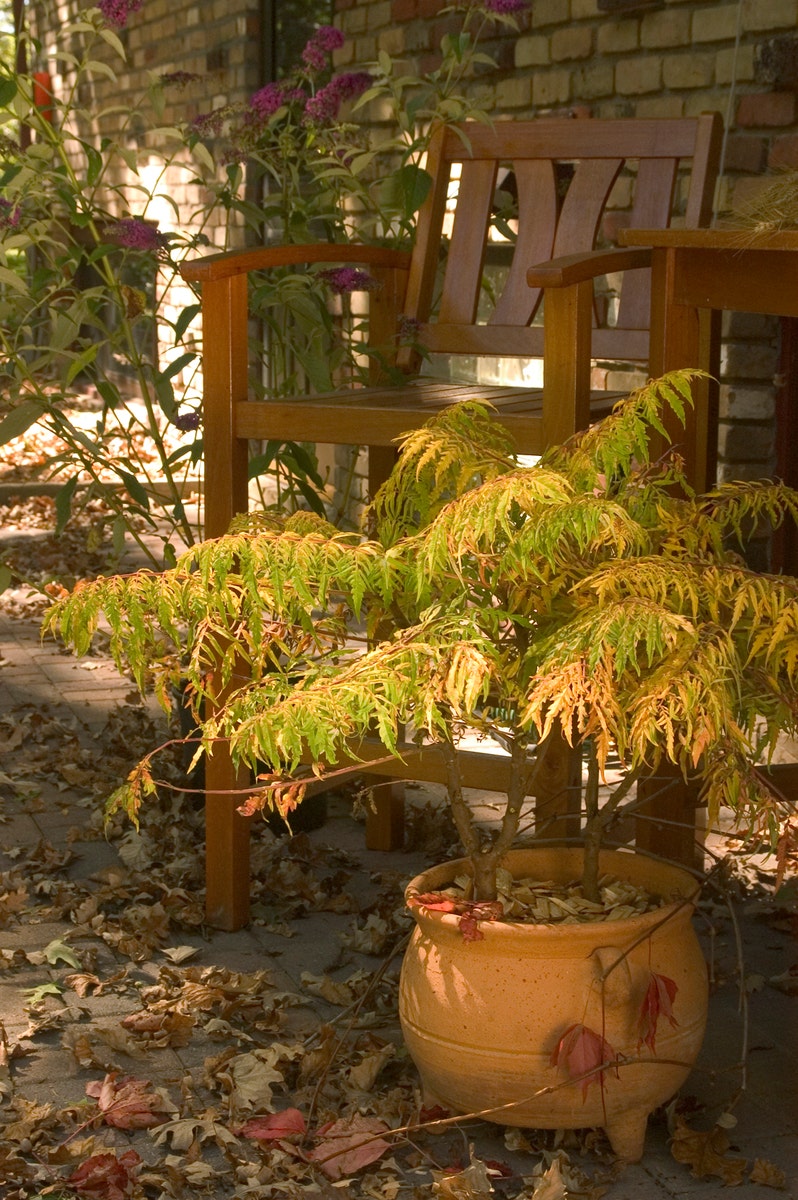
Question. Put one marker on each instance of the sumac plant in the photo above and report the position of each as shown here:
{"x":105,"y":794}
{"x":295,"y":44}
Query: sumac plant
{"x":591,"y":595}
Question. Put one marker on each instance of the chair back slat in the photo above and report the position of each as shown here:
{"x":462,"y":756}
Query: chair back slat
{"x":584,"y":203}
{"x":462,"y":279}
{"x":537,"y":226}
{"x":653,"y":203}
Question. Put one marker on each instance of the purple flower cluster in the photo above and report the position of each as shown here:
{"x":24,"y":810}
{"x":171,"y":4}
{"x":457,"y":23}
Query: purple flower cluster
{"x":325,"y":104}
{"x":179,"y":79}
{"x":135,"y":234}
{"x":116,"y":12}
{"x":326,"y":39}
{"x":186,"y":421}
{"x":209,"y":124}
{"x":9,"y":214}
{"x":348,"y":279}
{"x":502,"y":7}
{"x":265,"y":102}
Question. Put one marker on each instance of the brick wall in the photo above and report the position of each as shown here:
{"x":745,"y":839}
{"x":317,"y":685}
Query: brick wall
{"x":676,"y":58}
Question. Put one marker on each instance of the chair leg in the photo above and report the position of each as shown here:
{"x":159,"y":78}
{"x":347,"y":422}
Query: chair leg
{"x":385,"y":816}
{"x":227,"y":870}
{"x":666,"y":824}
{"x":558,"y":794}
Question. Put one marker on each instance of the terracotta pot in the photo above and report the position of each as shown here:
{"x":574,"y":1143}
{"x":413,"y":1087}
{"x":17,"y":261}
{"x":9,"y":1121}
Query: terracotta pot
{"x":483,"y":1019}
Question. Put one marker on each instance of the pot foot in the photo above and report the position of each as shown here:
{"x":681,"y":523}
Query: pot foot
{"x":627,"y":1135}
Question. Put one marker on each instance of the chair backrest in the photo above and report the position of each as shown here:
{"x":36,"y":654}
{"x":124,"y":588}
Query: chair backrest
{"x":563,"y":173}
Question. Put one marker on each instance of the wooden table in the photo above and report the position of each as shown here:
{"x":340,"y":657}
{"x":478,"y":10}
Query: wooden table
{"x":696,"y":274}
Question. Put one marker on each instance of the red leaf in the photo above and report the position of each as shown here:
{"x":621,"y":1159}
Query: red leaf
{"x":127,"y":1103}
{"x":275,"y":1126}
{"x":106,"y":1176}
{"x":343,"y":1147}
{"x":584,"y":1055}
{"x":469,"y":928}
{"x":657,"y":1002}
{"x":436,"y":903}
{"x":471,"y":912}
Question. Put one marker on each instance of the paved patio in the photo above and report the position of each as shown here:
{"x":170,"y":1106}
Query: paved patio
{"x":49,"y":819}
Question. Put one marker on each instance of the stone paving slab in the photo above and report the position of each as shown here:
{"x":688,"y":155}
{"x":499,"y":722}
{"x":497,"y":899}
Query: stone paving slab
{"x":767,"y":1115}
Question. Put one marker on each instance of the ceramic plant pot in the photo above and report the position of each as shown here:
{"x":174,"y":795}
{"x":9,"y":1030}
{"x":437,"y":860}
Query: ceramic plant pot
{"x":506,"y":1023}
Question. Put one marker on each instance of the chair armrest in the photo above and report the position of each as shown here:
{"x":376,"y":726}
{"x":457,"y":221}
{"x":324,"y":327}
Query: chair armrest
{"x":239,"y":262}
{"x":579,"y":268}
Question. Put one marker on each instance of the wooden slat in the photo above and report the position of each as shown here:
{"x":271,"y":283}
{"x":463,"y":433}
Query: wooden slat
{"x":370,"y":425}
{"x":584,"y":204}
{"x":261,"y":258}
{"x":462,"y":278}
{"x":225,"y":369}
{"x":653,"y":201}
{"x":537,"y":224}
{"x":560,"y":139}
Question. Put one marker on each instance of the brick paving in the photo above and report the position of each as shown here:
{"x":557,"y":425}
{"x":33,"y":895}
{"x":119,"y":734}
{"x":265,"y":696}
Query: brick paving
{"x":83,"y":692}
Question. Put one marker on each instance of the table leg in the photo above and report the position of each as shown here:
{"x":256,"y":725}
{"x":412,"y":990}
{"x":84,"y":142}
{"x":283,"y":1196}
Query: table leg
{"x":683,"y":335}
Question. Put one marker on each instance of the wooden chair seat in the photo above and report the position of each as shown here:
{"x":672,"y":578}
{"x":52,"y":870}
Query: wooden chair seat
{"x":564,"y":175}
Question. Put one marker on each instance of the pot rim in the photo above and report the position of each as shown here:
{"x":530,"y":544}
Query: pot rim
{"x":684,"y":887}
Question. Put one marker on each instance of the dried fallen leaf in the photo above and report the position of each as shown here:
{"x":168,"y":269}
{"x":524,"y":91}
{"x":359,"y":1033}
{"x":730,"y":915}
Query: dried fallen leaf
{"x":471,"y":1184}
{"x":704,"y":1151}
{"x":333,"y":991}
{"x":364,"y":1074}
{"x":128,"y":1103}
{"x":179,"y":954}
{"x":249,"y":1078}
{"x":160,"y":1029}
{"x":345,"y":1146}
{"x":551,"y":1185}
{"x":184,"y":1133}
{"x":768,"y":1174}
{"x":106,"y":1176}
{"x":84,"y":984}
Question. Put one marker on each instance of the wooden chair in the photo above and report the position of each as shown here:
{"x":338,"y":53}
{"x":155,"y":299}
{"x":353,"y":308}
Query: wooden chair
{"x":563,"y":173}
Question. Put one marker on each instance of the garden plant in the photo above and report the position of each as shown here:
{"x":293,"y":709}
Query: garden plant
{"x":591,"y":595}
{"x":91,"y":239}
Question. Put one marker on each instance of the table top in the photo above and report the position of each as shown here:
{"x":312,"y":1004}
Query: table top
{"x":741,"y":239}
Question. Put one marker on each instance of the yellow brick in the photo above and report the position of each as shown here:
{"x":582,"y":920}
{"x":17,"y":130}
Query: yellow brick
{"x":550,"y":88}
{"x":356,"y":19}
{"x":513,"y":93}
{"x":590,"y":82}
{"x":715,"y":24}
{"x":532,"y":52}
{"x":699,"y":102}
{"x":365,"y":49}
{"x":665,"y":29}
{"x":634,"y":76}
{"x":378,"y":15}
{"x":616,"y":37}
{"x":769,"y":14}
{"x":660,"y":106}
{"x":688,"y":70}
{"x":550,"y":12}
{"x":392,"y":41}
{"x":582,"y":9}
{"x":731,"y":64}
{"x":568,"y":44}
